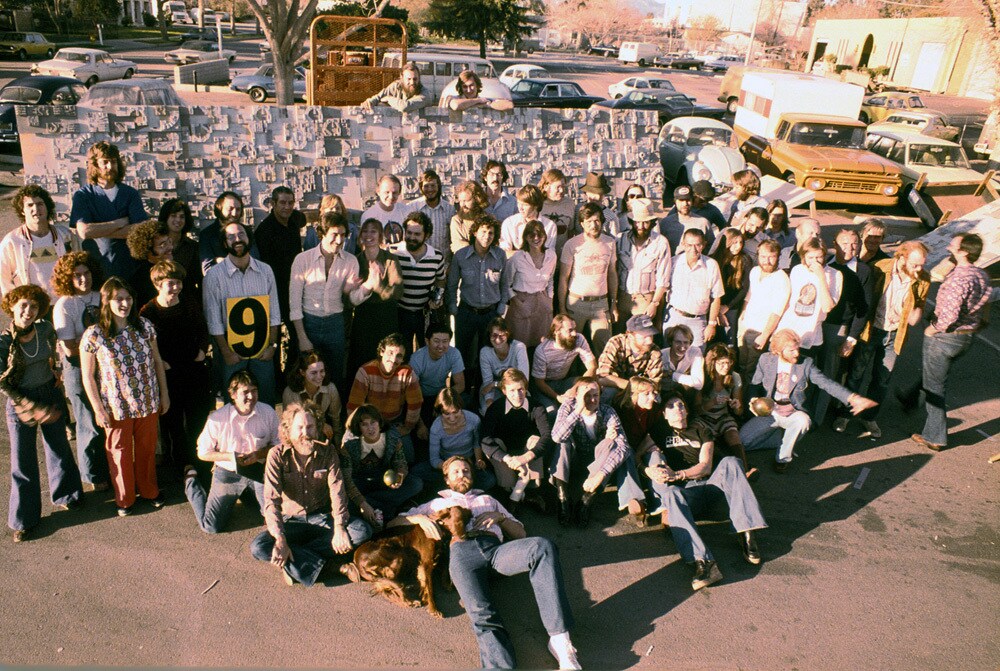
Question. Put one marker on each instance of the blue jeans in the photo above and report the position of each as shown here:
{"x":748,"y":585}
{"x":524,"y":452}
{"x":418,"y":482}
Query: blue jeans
{"x":727,"y":485}
{"x":310,"y":539}
{"x":89,"y":437}
{"x":213,"y":511}
{"x":573,"y":465}
{"x":470,"y":563}
{"x":327,"y":336}
{"x":262,"y":370}
{"x":941,"y":351}
{"x":25,"y":481}
{"x":775,"y":431}
{"x":470,"y":326}
{"x":387,"y":499}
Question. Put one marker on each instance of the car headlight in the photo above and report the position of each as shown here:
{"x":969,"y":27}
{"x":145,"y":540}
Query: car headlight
{"x":890,"y":189}
{"x":701,"y":172}
{"x":815,"y":183}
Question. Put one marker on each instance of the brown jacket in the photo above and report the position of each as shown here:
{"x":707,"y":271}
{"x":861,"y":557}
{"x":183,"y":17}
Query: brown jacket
{"x":291,"y":490}
{"x":915,"y":298}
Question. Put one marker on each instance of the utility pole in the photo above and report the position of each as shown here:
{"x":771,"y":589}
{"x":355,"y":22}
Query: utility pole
{"x":753,"y":33}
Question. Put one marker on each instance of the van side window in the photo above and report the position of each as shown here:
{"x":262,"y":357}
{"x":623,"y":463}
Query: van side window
{"x":442,"y":69}
{"x":426,"y":69}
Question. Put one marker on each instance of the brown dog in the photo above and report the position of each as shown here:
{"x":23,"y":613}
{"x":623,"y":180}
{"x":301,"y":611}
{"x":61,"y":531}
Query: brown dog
{"x":401,"y":560}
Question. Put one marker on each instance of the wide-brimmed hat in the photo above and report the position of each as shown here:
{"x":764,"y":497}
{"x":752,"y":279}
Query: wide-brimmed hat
{"x":596,"y":183}
{"x":643,"y":209}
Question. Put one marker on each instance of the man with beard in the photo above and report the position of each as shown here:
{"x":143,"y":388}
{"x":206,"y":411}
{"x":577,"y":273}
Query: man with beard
{"x":899,"y":292}
{"x":629,"y":354}
{"x":424,"y":277}
{"x":680,"y":218}
{"x":406,"y":94}
{"x":643,"y":265}
{"x":105,"y":209}
{"x":752,"y":228}
{"x":241,"y":308}
{"x":388,"y":209}
{"x":305,"y":501}
{"x":588,"y":277}
{"x":685,"y":485}
{"x":500,"y":203}
{"x":961,"y":311}
{"x":558,"y":361}
{"x":437,"y":209}
{"x":767,"y":297}
{"x":470,"y":89}
{"x":483,"y":552}
{"x":228,"y":209}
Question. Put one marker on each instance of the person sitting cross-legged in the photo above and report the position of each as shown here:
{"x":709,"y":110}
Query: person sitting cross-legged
{"x":454,"y":432}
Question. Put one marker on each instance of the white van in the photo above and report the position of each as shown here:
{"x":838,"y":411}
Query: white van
{"x":642,"y":53}
{"x":437,"y":70}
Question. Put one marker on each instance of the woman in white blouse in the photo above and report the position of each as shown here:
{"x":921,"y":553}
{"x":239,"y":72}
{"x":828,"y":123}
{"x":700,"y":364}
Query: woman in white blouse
{"x":528,"y":280}
{"x":683,"y":364}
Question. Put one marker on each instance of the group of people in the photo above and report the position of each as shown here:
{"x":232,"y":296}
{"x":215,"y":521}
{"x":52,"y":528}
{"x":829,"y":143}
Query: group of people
{"x":437,"y":354}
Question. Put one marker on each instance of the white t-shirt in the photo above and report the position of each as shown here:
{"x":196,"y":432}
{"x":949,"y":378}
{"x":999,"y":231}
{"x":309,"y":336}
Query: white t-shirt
{"x":805,"y":315}
{"x":392,"y":221}
{"x":71,"y":315}
{"x":765,"y":297}
{"x":512,"y":233}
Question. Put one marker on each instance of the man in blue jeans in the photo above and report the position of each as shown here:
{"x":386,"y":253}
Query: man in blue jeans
{"x":239,"y":434}
{"x":484,"y":550}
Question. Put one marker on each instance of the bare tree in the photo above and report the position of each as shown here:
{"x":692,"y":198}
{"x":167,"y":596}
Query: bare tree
{"x":599,"y":21}
{"x":285,"y":24}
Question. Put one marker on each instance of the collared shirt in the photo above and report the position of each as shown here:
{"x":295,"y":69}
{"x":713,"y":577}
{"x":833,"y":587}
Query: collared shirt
{"x":890,"y":303}
{"x":622,"y":361}
{"x":571,"y":427}
{"x":475,"y":500}
{"x":419,"y":275}
{"x":228,"y":431}
{"x":552,"y":362}
{"x":693,"y":289}
{"x":643,"y":270}
{"x":962,"y":299}
{"x":506,"y":206}
{"x":512,"y":233}
{"x":225,"y":280}
{"x":294,"y":490}
{"x":315,"y":291}
{"x":479,"y":277}
{"x":689,"y":371}
{"x":440,"y":217}
{"x":521,"y":275}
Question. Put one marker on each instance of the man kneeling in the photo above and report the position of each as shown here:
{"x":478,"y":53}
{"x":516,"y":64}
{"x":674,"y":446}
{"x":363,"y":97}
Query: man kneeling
{"x":684,"y":484}
{"x":305,"y":501}
{"x":484,"y":549}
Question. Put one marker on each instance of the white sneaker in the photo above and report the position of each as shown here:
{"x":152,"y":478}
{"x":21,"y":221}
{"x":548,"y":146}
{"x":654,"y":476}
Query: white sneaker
{"x":562,"y":649}
{"x":872,"y":430}
{"x":840,"y":424}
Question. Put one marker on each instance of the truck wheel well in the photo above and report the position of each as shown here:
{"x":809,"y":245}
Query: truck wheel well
{"x":789,"y":177}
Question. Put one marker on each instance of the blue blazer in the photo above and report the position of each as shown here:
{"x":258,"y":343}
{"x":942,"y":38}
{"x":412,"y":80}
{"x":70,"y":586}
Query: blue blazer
{"x":803,"y":372}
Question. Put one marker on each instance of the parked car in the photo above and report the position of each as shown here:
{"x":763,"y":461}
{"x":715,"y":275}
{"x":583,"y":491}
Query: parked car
{"x":605,"y":50}
{"x":669,"y":105}
{"x":678,"y":62}
{"x":926,"y":123}
{"x":87,"y":65}
{"x":25,"y":45}
{"x":259,"y":85}
{"x":694,"y":148}
{"x":943,"y":162}
{"x":207,"y":34}
{"x":639,"y":83}
{"x":515,"y":73}
{"x":32,"y":90}
{"x":878,"y":107}
{"x":722,"y":63}
{"x":131,"y":92}
{"x":551,"y":93}
{"x":197,"y":51}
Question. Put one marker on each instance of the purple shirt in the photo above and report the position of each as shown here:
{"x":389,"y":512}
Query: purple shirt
{"x":962,"y":299}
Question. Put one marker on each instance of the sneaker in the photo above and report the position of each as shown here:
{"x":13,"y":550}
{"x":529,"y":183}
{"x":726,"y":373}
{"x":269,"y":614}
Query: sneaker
{"x":19,"y":535}
{"x":124,"y":511}
{"x":101,"y":486}
{"x":158,"y":502}
{"x":840,"y":424}
{"x":562,"y":649}
{"x":705,"y":573}
{"x":872,"y":430}
{"x":781,"y":466}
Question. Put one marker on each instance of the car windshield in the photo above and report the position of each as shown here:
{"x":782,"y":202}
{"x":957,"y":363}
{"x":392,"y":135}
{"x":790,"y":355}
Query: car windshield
{"x":20,"y":94}
{"x":914,"y":102}
{"x":823,"y":135}
{"x":72,"y":56}
{"x":484,"y":70}
{"x":653,"y":97}
{"x":527,"y":88}
{"x":704,"y":137}
{"x":937,"y":155}
{"x":905,"y":120}
{"x":538,"y":74}
{"x":662,"y":84}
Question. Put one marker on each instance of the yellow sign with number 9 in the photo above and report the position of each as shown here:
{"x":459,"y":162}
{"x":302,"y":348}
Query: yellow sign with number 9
{"x":248,"y":324}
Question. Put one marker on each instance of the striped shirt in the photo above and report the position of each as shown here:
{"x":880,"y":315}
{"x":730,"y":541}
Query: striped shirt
{"x":224,"y":280}
{"x":440,"y":217}
{"x":389,"y":393}
{"x":419,"y":275}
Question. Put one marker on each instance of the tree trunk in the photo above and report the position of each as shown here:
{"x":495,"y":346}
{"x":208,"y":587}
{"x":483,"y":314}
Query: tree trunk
{"x":201,"y":15}
{"x":163,"y":19}
{"x":482,"y":45}
{"x":284,"y":77}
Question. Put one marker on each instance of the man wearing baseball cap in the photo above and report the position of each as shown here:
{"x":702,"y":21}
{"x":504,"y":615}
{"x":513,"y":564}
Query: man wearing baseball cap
{"x":629,"y":354}
{"x":680,"y":219}
{"x":643,"y":265}
{"x":595,"y":190}
{"x":702,"y":195}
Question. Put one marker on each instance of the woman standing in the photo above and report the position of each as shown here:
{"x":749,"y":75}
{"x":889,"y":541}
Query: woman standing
{"x":308,"y":382}
{"x":635,"y":190}
{"x":27,"y":376}
{"x":777,"y":224}
{"x":375,"y":301}
{"x":735,"y":266}
{"x":177,"y":217}
{"x":529,"y":281}
{"x":73,"y":280}
{"x":558,"y":207}
{"x":127,"y":386}
{"x":501,"y":354}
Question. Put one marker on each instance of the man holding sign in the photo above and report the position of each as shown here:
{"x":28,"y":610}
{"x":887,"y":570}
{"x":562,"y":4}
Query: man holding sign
{"x":241,"y":308}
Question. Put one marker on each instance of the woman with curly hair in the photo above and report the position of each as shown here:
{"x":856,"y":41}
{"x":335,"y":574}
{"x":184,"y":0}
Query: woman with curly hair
{"x":308,"y":381}
{"x":28,"y":377}
{"x":470,"y":204}
{"x":73,"y":280}
{"x":148,"y":243}
{"x":127,"y":387}
{"x":176,"y":215}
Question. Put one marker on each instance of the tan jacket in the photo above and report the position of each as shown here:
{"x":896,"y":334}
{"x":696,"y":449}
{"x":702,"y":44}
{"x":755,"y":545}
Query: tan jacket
{"x":916,"y":297}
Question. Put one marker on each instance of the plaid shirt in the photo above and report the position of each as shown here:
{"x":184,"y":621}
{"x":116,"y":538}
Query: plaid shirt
{"x":622,"y":361}
{"x":962,"y":299}
{"x":570,"y":428}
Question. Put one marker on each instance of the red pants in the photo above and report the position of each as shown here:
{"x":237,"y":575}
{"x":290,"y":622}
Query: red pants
{"x":131,"y":450}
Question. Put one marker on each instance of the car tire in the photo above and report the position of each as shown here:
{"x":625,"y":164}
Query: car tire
{"x":90,"y":82}
{"x":128,"y":74}
{"x":232,"y":59}
{"x":732,"y":104}
{"x":863,"y":117}
{"x":641,"y":62}
{"x":50,"y":53}
{"x":257,"y":94}
{"x":22,"y":55}
{"x":789,"y":177}
{"x":618,"y":96}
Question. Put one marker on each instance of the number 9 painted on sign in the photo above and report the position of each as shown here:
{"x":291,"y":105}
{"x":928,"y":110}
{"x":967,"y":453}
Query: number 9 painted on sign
{"x":248,"y":325}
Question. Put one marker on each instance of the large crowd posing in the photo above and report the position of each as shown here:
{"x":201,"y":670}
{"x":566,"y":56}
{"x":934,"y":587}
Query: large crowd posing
{"x":502,"y":349}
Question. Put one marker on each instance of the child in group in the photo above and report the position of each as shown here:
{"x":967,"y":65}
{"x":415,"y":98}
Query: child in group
{"x":720,"y":401}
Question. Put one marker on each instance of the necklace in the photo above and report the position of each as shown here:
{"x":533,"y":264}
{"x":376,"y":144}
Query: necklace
{"x":38,"y":346}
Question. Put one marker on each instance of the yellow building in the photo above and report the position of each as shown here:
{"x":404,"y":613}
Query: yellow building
{"x":940,"y":55}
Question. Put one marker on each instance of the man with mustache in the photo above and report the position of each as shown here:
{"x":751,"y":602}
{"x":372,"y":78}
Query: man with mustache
{"x":767,"y":298}
{"x":484,"y":551}
{"x":104,"y":210}
{"x":424,"y":276}
{"x":228,"y":209}
{"x":558,"y":361}
{"x":406,"y":94}
{"x":500,"y":202}
{"x":245,"y":331}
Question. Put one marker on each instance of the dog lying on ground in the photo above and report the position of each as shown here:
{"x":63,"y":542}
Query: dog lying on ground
{"x":400,"y":561}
